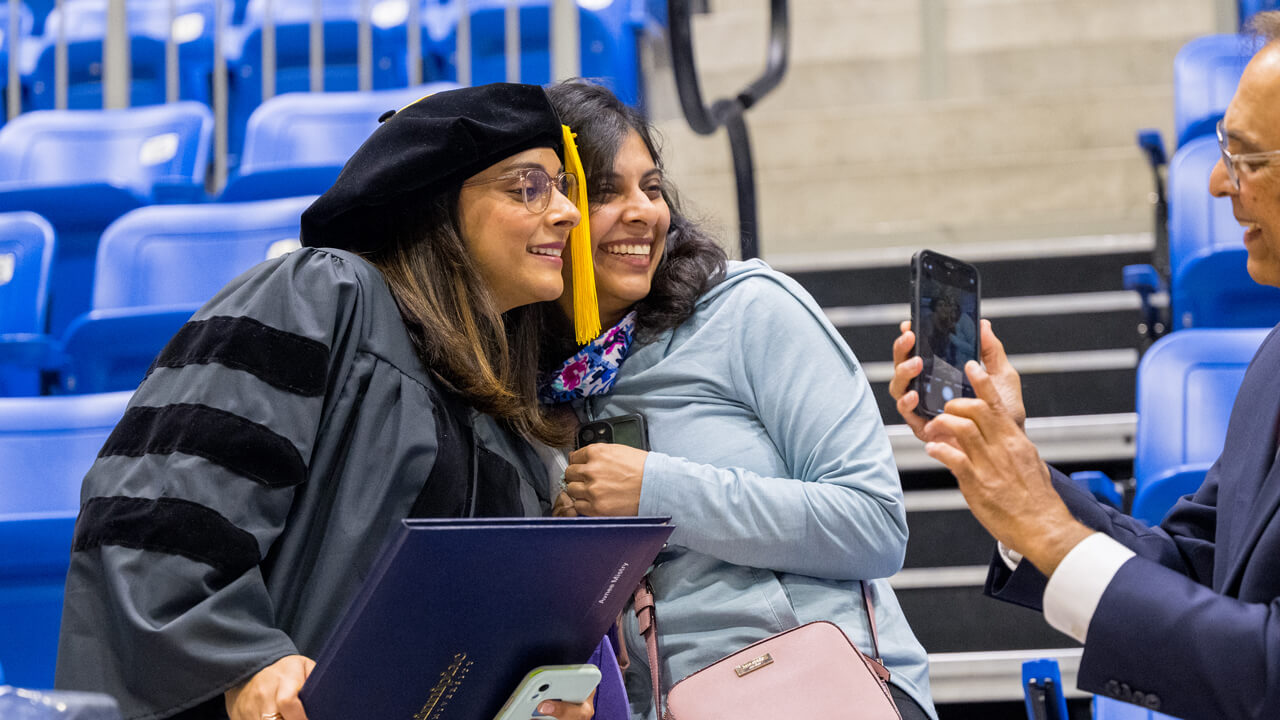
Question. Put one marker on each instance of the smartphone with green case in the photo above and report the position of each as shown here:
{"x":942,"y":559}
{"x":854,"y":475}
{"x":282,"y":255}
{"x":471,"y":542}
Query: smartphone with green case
{"x":566,"y":683}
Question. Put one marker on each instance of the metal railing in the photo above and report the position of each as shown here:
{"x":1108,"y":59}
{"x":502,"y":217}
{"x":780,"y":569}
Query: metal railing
{"x":729,"y":113}
{"x":115,"y":62}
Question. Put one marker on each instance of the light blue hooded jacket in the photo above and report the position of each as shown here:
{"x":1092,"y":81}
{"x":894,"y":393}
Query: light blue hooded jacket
{"x":769,"y":454}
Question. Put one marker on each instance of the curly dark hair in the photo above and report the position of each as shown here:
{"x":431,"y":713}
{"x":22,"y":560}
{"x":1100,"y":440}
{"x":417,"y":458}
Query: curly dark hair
{"x":1264,"y":24}
{"x":692,"y":262}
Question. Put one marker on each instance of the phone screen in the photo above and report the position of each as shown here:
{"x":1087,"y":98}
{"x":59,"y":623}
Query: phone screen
{"x":945,"y":321}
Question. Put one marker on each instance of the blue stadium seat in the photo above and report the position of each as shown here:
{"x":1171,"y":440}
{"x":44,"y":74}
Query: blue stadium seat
{"x":40,"y":10}
{"x":1187,"y":383}
{"x":1042,"y":690}
{"x":26,"y":255}
{"x":1249,"y":8}
{"x":609,"y":33}
{"x":1205,"y":74}
{"x":81,"y":169}
{"x":297,"y":143}
{"x":85,"y":23}
{"x":46,"y":446}
{"x":293,"y":47}
{"x":25,"y":23}
{"x":1104,"y":708}
{"x":1209,"y":283}
{"x":156,"y":266}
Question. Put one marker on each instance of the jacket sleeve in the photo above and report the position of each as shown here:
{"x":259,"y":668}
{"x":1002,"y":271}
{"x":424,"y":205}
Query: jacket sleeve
{"x":165,"y":604}
{"x":838,"y":514}
{"x":1163,"y":640}
{"x":1183,"y":542}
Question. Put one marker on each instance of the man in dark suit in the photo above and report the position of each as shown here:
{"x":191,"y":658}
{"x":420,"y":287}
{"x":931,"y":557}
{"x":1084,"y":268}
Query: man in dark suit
{"x":1183,"y":617}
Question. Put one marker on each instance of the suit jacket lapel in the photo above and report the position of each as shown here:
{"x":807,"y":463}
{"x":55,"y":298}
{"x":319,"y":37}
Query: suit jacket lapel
{"x":1250,"y":487}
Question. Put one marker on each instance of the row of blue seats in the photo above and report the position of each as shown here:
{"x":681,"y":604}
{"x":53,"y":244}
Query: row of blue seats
{"x":81,"y":170}
{"x":1206,"y":279}
{"x":154,"y":267}
{"x":610,"y":32}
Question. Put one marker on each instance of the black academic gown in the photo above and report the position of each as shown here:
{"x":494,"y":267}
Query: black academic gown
{"x":235,"y":510}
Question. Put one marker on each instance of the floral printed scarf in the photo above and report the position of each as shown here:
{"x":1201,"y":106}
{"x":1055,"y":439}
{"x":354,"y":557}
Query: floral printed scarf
{"x":593,"y":369}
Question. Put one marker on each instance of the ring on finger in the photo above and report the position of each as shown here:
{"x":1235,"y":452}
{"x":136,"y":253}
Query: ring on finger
{"x":272,"y":716}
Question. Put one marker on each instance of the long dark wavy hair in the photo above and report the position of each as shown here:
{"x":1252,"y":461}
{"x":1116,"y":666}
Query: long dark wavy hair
{"x":692,"y":261}
{"x":489,"y":358}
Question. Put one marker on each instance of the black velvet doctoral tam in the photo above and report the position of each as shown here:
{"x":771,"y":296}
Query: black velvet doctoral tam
{"x":424,"y":148}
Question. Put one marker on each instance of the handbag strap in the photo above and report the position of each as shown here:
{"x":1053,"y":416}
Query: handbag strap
{"x":647,"y":622}
{"x":871,"y":620}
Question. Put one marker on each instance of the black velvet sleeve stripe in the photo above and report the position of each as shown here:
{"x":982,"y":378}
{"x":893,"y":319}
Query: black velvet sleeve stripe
{"x":281,"y":359}
{"x":242,"y":446}
{"x":168,"y":525}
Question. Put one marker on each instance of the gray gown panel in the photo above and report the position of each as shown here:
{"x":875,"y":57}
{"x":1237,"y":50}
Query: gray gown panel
{"x":235,"y":511}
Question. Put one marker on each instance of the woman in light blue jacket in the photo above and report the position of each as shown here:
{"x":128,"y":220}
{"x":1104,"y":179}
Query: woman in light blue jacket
{"x":768,"y":451}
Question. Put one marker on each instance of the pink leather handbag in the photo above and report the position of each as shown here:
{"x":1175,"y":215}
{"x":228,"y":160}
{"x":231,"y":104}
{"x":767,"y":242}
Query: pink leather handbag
{"x":811,"y":671}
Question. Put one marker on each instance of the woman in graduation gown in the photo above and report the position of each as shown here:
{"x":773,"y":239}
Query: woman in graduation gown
{"x":768,"y":451}
{"x":386,"y":370}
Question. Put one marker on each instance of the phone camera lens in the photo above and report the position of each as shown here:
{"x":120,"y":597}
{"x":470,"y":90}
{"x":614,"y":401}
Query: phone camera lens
{"x":543,"y":687}
{"x":588,"y":434}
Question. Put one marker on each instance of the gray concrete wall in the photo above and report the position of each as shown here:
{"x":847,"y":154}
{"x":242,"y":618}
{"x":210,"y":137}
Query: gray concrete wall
{"x":917,"y":122}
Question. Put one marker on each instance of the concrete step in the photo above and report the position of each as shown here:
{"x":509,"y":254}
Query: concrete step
{"x":989,"y":24}
{"x":925,"y":134}
{"x":962,"y":619}
{"x":1070,"y":268}
{"x":998,"y":73}
{"x":1027,"y":39}
{"x":830,"y":208}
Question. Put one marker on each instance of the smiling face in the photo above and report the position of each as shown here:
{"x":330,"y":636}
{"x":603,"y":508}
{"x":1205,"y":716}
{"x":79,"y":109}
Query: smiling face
{"x":629,"y":222}
{"x":1252,"y":125}
{"x":517,"y":252}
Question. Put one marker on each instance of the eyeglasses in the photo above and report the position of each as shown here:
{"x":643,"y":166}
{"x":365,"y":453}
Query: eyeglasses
{"x":535,"y":186}
{"x":1250,"y":162}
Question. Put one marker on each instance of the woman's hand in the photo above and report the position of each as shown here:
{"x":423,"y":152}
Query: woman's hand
{"x":605,"y":479}
{"x":272,"y":692}
{"x":563,"y":506}
{"x":584,"y":710}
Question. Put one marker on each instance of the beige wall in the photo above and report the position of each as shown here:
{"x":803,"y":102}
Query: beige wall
{"x":944,"y":122}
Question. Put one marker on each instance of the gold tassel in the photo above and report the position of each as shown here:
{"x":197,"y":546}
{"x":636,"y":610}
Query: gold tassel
{"x":586,"y":311}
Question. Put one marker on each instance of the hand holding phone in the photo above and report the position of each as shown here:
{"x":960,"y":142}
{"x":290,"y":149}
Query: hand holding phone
{"x":621,"y":429}
{"x":944,"y":318}
{"x":566,"y":683}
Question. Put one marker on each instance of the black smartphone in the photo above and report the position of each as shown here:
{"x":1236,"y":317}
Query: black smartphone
{"x":944,"y":317}
{"x":621,"y":429}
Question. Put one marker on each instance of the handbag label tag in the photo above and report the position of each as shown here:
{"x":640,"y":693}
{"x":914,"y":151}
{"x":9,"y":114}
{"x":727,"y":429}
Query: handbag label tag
{"x":753,"y":665}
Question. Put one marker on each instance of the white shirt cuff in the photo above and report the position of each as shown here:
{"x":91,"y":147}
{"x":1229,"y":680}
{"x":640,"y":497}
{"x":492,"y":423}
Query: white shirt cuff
{"x":1010,"y":556}
{"x":1075,"y":588}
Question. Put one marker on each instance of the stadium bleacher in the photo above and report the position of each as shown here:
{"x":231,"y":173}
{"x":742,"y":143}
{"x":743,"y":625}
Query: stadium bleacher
{"x":46,"y":446}
{"x":126,"y":269}
{"x":341,"y":57}
{"x":1209,"y":284}
{"x":26,"y":257}
{"x":1187,"y":383}
{"x":296,"y":143}
{"x":81,"y":170}
{"x":84,"y":23}
{"x":155,"y":267}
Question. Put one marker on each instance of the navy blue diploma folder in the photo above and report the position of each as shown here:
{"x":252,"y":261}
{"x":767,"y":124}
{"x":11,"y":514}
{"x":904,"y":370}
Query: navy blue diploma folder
{"x":455,"y":612}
